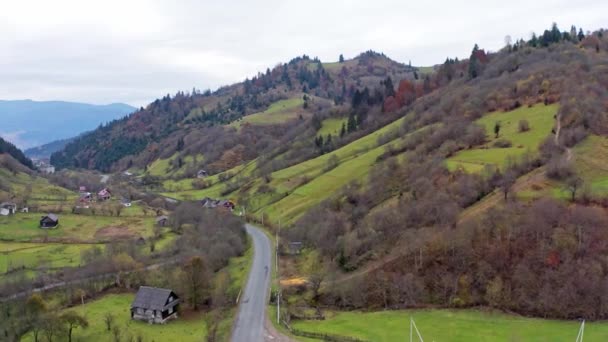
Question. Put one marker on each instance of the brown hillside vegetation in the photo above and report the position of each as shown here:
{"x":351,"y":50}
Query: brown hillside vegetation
{"x":527,"y":257}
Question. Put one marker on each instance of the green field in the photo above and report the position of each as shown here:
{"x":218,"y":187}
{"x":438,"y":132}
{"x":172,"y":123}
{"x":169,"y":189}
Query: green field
{"x":331,"y":126}
{"x":74,"y":228}
{"x":540,"y":118}
{"x":36,"y":255}
{"x":278,"y":112}
{"x":192,"y":328}
{"x":452,"y":325}
{"x":161,"y":167}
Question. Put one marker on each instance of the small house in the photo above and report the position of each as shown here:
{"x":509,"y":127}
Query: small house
{"x":295,"y":247}
{"x":209,"y":202}
{"x":85,"y":197}
{"x":228,"y":204}
{"x":8,"y":208}
{"x":125,"y":202}
{"x":49,"y":221}
{"x":25,"y":210}
{"x":162,"y":220}
{"x":154,"y":305}
{"x":104,"y":194}
{"x":82,"y":189}
{"x":201,"y":174}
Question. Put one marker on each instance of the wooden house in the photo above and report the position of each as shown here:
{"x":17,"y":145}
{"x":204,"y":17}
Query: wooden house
{"x":104,"y":194}
{"x":154,"y":305}
{"x":8,"y":208}
{"x":201,"y":174}
{"x":49,"y":221}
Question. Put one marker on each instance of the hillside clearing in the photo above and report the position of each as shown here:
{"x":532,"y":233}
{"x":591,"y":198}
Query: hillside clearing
{"x":540,"y":119}
{"x":331,"y":126}
{"x":278,"y":112}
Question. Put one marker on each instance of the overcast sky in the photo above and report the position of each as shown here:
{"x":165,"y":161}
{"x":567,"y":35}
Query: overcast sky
{"x":134,"y":51}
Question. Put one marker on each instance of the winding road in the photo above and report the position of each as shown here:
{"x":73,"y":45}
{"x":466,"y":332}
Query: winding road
{"x":249,"y":324}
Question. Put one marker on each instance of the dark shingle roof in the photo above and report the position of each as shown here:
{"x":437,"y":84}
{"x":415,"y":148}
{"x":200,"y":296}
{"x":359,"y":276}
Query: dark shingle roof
{"x":151,"y":298}
{"x":163,"y":217}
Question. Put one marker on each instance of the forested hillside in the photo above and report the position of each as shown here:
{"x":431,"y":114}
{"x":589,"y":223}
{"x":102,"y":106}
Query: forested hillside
{"x":196,"y":123}
{"x":8,"y":148}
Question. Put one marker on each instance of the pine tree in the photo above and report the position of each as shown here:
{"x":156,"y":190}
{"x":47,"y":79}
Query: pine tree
{"x":343,"y":130}
{"x":581,"y":35}
{"x":474,"y":63}
{"x":341,"y":59}
{"x":351,"y":124}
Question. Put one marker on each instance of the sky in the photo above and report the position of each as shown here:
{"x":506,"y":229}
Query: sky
{"x":134,"y":51}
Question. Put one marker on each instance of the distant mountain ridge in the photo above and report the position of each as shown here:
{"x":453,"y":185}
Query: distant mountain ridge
{"x":45,"y":151}
{"x":28,"y":123}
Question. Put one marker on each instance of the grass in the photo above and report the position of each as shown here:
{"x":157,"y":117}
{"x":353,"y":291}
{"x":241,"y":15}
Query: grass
{"x":238,"y":268}
{"x":331,"y":126}
{"x":184,"y":329}
{"x":589,"y":163}
{"x":540,"y":118}
{"x":161,"y":167}
{"x":72,"y":228}
{"x":278,"y":112}
{"x":452,"y":325}
{"x":38,"y":255}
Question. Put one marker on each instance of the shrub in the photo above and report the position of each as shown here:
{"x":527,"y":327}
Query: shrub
{"x":559,"y":169}
{"x":502,"y":143}
{"x":524,"y":125}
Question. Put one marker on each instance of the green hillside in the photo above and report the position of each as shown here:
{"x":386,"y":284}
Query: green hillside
{"x":540,"y":119}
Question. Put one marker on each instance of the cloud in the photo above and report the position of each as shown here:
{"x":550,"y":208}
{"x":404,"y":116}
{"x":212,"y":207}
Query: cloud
{"x":135,"y":51}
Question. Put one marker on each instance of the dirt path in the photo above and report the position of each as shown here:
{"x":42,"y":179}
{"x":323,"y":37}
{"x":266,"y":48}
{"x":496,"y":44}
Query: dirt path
{"x":272,"y":335}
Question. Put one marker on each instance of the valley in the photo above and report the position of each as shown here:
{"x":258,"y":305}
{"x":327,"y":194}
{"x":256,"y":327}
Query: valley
{"x":346,"y":198}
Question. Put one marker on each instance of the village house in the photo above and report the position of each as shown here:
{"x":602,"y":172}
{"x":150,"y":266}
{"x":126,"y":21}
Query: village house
{"x":8,"y":208}
{"x":125,"y":202}
{"x":212,"y":203}
{"x":201,"y":174}
{"x":162,"y":220}
{"x":49,"y":221}
{"x":104,"y":194}
{"x":154,"y":305}
{"x":82,"y":189}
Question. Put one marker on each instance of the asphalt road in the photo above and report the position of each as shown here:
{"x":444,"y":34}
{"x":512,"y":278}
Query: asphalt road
{"x":249,"y":324}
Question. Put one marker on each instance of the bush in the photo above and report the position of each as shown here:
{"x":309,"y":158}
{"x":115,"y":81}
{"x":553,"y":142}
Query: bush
{"x":559,"y":169}
{"x":524,"y":125}
{"x":502,"y":143}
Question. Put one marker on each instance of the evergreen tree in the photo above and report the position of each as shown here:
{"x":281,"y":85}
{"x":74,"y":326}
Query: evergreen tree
{"x":573,"y":35}
{"x":341,"y":59}
{"x":343,"y":130}
{"x":180,"y":144}
{"x":474,"y":63}
{"x":389,"y":88}
{"x":581,"y":35}
{"x":534,"y":41}
{"x":351,"y":125}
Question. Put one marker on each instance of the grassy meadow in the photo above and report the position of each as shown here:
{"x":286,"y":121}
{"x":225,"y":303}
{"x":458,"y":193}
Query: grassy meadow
{"x":540,"y":119}
{"x":331,"y":126}
{"x":452,"y":325}
{"x":278,"y":112}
